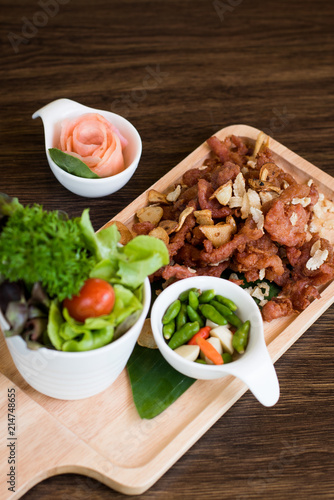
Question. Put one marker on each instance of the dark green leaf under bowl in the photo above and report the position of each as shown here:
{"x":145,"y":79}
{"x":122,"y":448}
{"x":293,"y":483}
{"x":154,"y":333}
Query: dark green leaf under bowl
{"x":155,"y":384}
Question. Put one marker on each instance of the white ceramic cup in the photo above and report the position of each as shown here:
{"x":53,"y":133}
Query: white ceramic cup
{"x":77,"y":375}
{"x":54,"y":113}
{"x":254,"y":367}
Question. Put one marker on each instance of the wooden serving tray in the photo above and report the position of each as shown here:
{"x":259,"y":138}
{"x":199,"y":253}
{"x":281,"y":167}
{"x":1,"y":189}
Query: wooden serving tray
{"x":103,"y":437}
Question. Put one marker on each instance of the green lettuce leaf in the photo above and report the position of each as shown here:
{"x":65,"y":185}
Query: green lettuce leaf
{"x":67,"y":334}
{"x":90,"y":340}
{"x":126,"y":303}
{"x":54,"y":323}
{"x":103,"y":243}
{"x":139,"y":258}
{"x":131,"y":264}
{"x":105,"y":269}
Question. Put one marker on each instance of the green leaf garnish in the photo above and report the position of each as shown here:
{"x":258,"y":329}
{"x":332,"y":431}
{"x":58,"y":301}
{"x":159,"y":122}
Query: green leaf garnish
{"x":154,"y":382}
{"x":274,"y":289}
{"x":71,"y":164}
{"x":45,"y":247}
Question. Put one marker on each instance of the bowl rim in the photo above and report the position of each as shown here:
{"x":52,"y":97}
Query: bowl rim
{"x":92,"y":352}
{"x":163,"y":346}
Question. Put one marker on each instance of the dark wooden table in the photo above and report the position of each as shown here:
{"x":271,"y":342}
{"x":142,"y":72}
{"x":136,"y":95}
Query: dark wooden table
{"x":180,"y":70}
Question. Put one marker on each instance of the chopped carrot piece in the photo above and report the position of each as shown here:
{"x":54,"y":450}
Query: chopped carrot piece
{"x":203,"y":332}
{"x":209,"y":351}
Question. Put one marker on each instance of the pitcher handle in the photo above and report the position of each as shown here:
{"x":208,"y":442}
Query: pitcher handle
{"x":57,"y":108}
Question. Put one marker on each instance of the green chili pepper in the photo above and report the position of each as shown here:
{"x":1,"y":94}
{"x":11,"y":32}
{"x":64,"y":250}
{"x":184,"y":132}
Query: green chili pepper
{"x":184,"y":295}
{"x":193,"y":299}
{"x":240,"y":337}
{"x":90,"y":340}
{"x":168,"y":329}
{"x":206,"y":296}
{"x":181,"y":318}
{"x":227,"y":313}
{"x":227,"y":302}
{"x":227,"y":358}
{"x":183,"y":335}
{"x":212,"y":314}
{"x":172,"y":311}
{"x":194,"y":316}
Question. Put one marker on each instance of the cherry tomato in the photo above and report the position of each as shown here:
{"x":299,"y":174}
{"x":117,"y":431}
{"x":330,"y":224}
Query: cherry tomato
{"x":96,"y":298}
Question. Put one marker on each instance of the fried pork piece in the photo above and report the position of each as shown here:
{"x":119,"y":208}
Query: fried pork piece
{"x":264,"y":246}
{"x":314,"y":195}
{"x":277,"y":308}
{"x":248,"y":232}
{"x":293,"y":254}
{"x":188,"y":255}
{"x":143,"y":227}
{"x":285,"y":222}
{"x":157,"y":275}
{"x":178,"y":239}
{"x":178,"y":272}
{"x":242,"y":148}
{"x":208,"y":246}
{"x":205,"y":190}
{"x":171,"y":212}
{"x":231,"y":149}
{"x":197,"y":237}
{"x":257,"y":255}
{"x":236,"y":281}
{"x":325,"y":272}
{"x":192,"y":176}
{"x":299,"y":258}
{"x":224,"y":173}
{"x":186,"y":195}
{"x":301,"y":293}
{"x":215,"y":271}
{"x":280,"y":280}
{"x":252,"y":263}
{"x":263,"y":157}
{"x":221,"y":149}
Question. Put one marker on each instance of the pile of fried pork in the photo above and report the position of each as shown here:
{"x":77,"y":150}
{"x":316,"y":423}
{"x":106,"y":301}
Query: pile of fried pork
{"x":241,"y":212}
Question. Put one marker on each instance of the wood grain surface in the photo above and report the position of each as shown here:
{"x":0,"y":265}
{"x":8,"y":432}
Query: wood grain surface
{"x":179,"y":71}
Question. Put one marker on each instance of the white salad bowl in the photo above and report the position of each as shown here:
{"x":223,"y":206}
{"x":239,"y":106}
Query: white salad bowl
{"x":54,"y":113}
{"x":77,"y":375}
{"x":254,"y":367}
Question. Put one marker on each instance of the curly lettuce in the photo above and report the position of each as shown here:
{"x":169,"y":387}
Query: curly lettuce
{"x":45,"y":247}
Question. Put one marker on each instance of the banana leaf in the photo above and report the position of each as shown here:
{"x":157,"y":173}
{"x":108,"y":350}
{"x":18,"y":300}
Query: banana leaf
{"x":155,"y":384}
